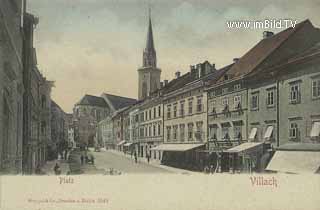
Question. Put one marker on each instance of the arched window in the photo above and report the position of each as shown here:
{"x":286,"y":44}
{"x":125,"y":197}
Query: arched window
{"x":43,"y":101}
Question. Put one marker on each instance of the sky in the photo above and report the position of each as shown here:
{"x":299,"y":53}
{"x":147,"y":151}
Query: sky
{"x":95,"y":46}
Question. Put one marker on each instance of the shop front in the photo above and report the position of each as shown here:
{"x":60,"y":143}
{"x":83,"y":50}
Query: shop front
{"x":120,"y":146}
{"x":184,"y":156}
{"x":244,"y":158}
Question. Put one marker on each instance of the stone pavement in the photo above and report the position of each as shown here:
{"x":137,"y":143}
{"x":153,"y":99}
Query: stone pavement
{"x":77,"y":168}
{"x":155,"y":163}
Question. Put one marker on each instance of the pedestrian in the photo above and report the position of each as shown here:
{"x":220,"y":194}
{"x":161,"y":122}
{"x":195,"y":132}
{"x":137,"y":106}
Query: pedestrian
{"x":211,"y":169}
{"x":206,"y":169}
{"x":135,"y":157}
{"x":92,"y":159}
{"x":57,"y":169}
{"x":65,"y":154}
{"x":82,"y":159}
{"x":38,"y":169}
{"x":148,"y":158}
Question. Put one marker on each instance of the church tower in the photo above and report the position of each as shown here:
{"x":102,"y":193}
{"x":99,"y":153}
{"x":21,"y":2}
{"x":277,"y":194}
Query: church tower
{"x":149,"y":74}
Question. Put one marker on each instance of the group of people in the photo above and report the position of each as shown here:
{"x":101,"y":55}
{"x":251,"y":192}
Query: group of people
{"x":209,"y":169}
{"x":86,"y":159}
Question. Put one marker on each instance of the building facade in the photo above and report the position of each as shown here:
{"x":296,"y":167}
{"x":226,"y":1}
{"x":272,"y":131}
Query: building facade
{"x":149,"y":132}
{"x":11,"y":85}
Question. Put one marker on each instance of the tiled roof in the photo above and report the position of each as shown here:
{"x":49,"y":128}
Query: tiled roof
{"x":277,"y":48}
{"x":93,"y":101}
{"x":119,"y":102}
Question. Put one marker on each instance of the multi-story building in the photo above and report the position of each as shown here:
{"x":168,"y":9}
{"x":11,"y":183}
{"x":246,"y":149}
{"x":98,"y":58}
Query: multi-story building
{"x":149,"y":132}
{"x":59,"y":132}
{"x":11,"y":85}
{"x":260,"y":94}
{"x":185,"y":117}
{"x":105,"y":133}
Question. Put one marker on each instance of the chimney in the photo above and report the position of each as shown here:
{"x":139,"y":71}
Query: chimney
{"x":165,"y":82}
{"x":267,"y":34}
{"x":161,"y":84}
{"x":213,"y":66}
{"x":235,"y":60}
{"x":178,"y":73}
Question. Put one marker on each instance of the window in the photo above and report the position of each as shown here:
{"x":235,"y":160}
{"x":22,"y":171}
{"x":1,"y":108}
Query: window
{"x":175,"y":132}
{"x":175,"y":110}
{"x":225,"y":133}
{"x":237,"y":132}
{"x":213,"y":132}
{"x":150,"y":117}
{"x":270,"y":98}
{"x":150,"y":134}
{"x":255,"y":102}
{"x":199,"y":105}
{"x":6,"y":126}
{"x":169,"y":111}
{"x":154,"y":112}
{"x":237,"y":102}
{"x":213,"y":94}
{"x":146,"y":115}
{"x":190,"y":131}
{"x":159,"y":111}
{"x":159,"y":129}
{"x":199,"y":132}
{"x":295,"y":93}
{"x":225,"y":101}
{"x":182,"y":132}
{"x":237,"y":87}
{"x":141,"y":132}
{"x":190,"y":107}
{"x":154,"y":130}
{"x":43,"y":101}
{"x":182,"y":109}
{"x":224,"y":90}
{"x":225,"y":104}
{"x":168,"y":133}
{"x":293,"y":131}
{"x":316,"y":88}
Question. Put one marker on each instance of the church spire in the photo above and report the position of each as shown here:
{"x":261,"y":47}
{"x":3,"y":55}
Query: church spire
{"x":149,"y":53}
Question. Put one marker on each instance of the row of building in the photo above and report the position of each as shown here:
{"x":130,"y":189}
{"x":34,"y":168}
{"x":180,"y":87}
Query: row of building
{"x":233,"y":118}
{"x":28,"y":118}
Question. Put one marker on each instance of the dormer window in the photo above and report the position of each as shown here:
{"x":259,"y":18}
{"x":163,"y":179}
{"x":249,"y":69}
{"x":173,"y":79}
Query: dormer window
{"x":226,"y":77}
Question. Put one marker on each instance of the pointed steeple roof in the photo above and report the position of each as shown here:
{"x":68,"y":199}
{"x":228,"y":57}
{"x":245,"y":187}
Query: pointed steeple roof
{"x":150,"y":43}
{"x":149,"y":53}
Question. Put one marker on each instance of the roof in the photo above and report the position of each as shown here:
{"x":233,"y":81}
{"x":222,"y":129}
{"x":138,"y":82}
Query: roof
{"x":277,"y":48}
{"x":212,"y":78}
{"x":248,"y":146}
{"x":150,"y":43}
{"x":299,"y":147}
{"x":118,"y":102}
{"x":298,"y":162}
{"x":93,"y":101}
{"x":176,"y":147}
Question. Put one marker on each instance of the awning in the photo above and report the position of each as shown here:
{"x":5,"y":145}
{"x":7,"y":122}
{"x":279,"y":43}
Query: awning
{"x":295,"y":162}
{"x":128,"y":144}
{"x":253,"y":133}
{"x":176,"y":147}
{"x":315,"y":131}
{"x":245,"y":147}
{"x":268,"y":132}
{"x":120,"y":143}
